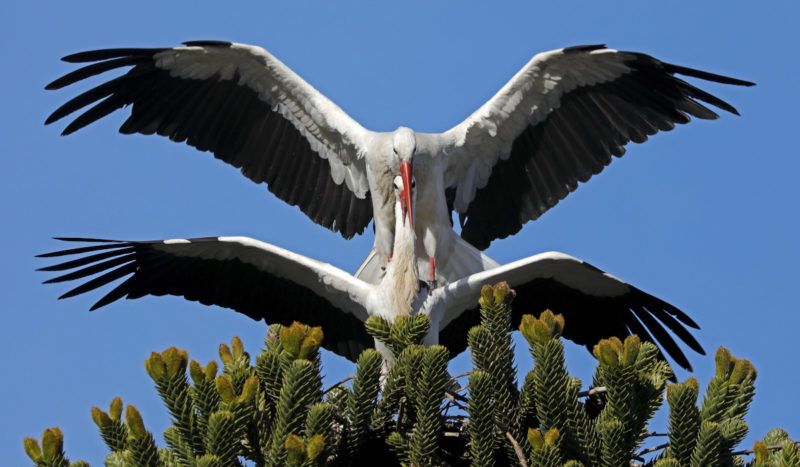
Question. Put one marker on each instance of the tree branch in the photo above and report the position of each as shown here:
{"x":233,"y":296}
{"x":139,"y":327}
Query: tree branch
{"x":337,"y":384}
{"x":517,"y":450}
{"x":592,"y":391}
{"x":771,"y":447}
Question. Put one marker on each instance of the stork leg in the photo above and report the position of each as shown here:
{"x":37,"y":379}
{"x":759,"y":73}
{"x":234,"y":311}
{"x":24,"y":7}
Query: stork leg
{"x":432,"y":273}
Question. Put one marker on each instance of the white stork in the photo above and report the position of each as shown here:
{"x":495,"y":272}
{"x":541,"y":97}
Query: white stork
{"x":556,"y":123}
{"x":278,"y":286}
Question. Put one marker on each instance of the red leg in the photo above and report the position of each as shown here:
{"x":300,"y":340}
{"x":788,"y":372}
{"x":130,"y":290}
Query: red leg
{"x":432,"y":273}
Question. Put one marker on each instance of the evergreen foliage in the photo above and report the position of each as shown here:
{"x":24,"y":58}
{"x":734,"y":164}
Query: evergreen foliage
{"x":482,"y":422}
{"x":362,"y":399}
{"x":409,"y":411}
{"x":493,"y":353}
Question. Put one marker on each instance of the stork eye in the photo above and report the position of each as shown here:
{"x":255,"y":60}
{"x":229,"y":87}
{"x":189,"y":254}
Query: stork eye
{"x":413,"y":183}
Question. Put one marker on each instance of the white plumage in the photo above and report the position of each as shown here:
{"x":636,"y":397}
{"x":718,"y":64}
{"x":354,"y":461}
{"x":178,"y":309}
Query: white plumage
{"x":556,"y":123}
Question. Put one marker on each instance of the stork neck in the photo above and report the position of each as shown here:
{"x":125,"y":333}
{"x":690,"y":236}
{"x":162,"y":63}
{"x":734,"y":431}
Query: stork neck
{"x":401,"y":279}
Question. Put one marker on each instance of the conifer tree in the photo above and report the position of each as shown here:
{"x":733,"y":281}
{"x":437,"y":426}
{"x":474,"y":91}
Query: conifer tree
{"x":272,"y":410}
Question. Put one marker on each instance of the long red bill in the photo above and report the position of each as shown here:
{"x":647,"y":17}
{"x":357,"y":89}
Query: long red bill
{"x":405,"y":195}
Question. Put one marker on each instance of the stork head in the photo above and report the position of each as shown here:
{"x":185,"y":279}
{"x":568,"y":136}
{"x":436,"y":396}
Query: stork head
{"x":404,"y":145}
{"x":405,"y":196}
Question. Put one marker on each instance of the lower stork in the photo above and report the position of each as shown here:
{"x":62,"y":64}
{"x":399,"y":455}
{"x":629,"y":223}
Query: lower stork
{"x":269,"y":283}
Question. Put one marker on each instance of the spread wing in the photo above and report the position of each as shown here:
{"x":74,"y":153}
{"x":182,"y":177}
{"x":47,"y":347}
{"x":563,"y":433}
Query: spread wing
{"x":595,"y":305}
{"x":247,"y":108}
{"x":257,"y":279}
{"x":558,"y":122}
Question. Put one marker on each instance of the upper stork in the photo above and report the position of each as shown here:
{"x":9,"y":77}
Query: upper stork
{"x":558,"y":121}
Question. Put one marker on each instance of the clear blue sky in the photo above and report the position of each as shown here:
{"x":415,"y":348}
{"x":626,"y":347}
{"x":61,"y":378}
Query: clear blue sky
{"x":705,"y":216}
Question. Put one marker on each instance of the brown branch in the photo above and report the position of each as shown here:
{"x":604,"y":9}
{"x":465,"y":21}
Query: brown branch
{"x":517,"y":450}
{"x":771,"y":447}
{"x":455,"y":398}
{"x":592,"y":391}
{"x":455,"y":403}
{"x":455,"y":417}
{"x":649,"y":450}
{"x":337,"y":384}
{"x":400,"y":412}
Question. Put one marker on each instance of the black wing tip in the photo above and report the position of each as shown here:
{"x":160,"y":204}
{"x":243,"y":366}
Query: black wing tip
{"x":86,"y":55}
{"x":69,"y":294}
{"x":87,"y":240}
{"x":98,"y":305}
{"x":52,"y":119}
{"x":76,"y":57}
{"x":742,"y":82}
{"x":74,"y":126}
{"x":106,"y":54}
{"x":47,"y":268}
{"x":51,"y":254}
{"x":688,"y":321}
{"x":100,"y":55}
{"x":208,"y":43}
{"x":649,"y":303}
{"x":706,"y":75}
{"x":677,"y":313}
{"x":681,"y":359}
{"x":584,"y":48}
{"x":644,"y":297}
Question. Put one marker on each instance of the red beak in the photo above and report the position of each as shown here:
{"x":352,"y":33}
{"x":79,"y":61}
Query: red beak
{"x":405,"y":195}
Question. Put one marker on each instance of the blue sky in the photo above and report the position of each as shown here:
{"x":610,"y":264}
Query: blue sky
{"x":704,"y":217}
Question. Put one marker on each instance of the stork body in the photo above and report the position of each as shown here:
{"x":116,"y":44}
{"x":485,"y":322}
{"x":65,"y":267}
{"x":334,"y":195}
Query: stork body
{"x":433,"y":230}
{"x":555,"y":124}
